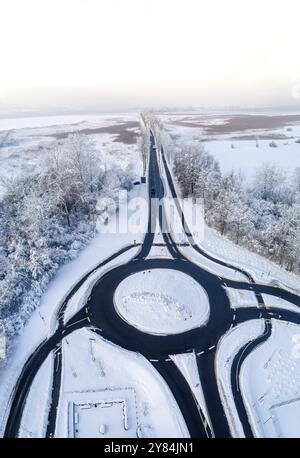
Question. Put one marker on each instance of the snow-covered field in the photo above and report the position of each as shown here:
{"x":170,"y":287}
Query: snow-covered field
{"x":244,"y":149}
{"x":270,"y":383}
{"x":25,"y":141}
{"x":162,"y":301}
{"x":244,"y":155}
{"x":96,"y":371}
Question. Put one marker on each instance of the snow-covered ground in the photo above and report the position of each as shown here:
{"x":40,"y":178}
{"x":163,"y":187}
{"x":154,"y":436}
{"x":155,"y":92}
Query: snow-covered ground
{"x":162,"y":301}
{"x":277,"y":302}
{"x":228,"y":347}
{"x":98,"y":372}
{"x":58,"y":120}
{"x":262,"y":270}
{"x":187,"y":364}
{"x":211,"y":266}
{"x":270,"y":383}
{"x":34,"y":420}
{"x":248,"y":158}
{"x":238,"y":149}
{"x":241,"y":298}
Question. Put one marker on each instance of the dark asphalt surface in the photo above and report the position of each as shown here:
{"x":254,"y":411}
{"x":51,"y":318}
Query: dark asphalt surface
{"x":99,"y":313}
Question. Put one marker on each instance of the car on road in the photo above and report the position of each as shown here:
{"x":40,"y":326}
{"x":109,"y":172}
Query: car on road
{"x":153,"y":192}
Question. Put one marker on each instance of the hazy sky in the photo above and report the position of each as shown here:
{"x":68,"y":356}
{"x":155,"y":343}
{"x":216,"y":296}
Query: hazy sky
{"x":123,"y":53}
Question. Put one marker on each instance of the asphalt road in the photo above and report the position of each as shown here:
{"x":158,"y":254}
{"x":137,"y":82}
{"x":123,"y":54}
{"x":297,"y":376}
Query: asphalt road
{"x":99,"y":314}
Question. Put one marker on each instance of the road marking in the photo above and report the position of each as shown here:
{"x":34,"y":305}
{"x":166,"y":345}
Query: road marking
{"x":200,"y":353}
{"x":154,"y":360}
{"x":211,"y":348}
{"x":76,"y":322}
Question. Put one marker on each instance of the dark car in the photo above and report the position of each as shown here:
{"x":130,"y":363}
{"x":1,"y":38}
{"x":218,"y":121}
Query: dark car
{"x":153,"y":193}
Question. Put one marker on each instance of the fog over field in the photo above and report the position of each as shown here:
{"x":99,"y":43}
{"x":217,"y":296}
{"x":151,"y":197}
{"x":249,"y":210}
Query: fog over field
{"x":119,"y":55}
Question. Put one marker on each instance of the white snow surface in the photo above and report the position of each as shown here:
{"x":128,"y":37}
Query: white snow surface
{"x":187,"y":364}
{"x":35,"y":415}
{"x":246,"y":157}
{"x":162,"y":302}
{"x":262,"y":269}
{"x":241,"y":298}
{"x":96,"y":370}
{"x":270,"y":383}
{"x":277,"y":302}
{"x":227,"y":348}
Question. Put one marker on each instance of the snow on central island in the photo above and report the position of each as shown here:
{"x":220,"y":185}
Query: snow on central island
{"x":162,"y":302}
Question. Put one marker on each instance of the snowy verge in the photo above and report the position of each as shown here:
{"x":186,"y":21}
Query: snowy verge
{"x":227,"y":348}
{"x":211,"y":266}
{"x":279,"y":303}
{"x":187,"y":364}
{"x":263,"y":270}
{"x":35,"y":416}
{"x":80,"y":297}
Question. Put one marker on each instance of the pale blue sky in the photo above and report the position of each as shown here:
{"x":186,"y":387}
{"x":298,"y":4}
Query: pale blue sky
{"x":149,"y":52}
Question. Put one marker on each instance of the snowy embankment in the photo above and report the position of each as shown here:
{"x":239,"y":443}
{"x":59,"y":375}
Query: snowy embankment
{"x":98,"y":372}
{"x":162,"y":302}
{"x":270,"y":383}
{"x":34,"y":420}
{"x":187,"y":364}
{"x":279,"y":303}
{"x":227,"y":348}
{"x":262,"y":269}
{"x":180,"y":237}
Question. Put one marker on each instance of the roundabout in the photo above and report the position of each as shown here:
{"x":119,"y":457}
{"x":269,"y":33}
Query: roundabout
{"x":143,"y":301}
